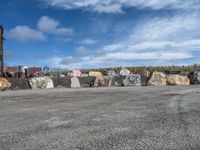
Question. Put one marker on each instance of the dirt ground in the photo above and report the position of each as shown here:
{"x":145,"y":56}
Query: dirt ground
{"x":102,"y":118}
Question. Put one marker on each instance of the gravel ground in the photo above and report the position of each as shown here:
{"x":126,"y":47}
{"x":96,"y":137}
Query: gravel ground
{"x":101,"y":118}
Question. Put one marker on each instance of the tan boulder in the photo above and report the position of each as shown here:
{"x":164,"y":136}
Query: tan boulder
{"x":101,"y":81}
{"x":157,"y":79}
{"x":177,"y":80}
{"x":4,"y":84}
{"x":95,"y":74}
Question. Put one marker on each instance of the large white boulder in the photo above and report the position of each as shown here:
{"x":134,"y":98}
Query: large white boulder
{"x":75,"y":83}
{"x":124,"y":72}
{"x":157,"y":79}
{"x":41,"y":83}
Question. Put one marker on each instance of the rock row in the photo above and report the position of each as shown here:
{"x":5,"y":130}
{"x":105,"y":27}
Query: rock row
{"x":97,"y":79}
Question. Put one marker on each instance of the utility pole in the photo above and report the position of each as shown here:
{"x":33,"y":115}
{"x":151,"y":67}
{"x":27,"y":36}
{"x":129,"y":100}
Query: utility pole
{"x":1,"y":50}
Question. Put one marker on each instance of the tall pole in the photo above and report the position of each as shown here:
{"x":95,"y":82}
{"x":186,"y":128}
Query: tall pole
{"x":1,"y":50}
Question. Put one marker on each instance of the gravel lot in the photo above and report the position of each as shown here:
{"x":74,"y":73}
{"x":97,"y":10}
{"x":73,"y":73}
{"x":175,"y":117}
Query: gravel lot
{"x":103,"y":118}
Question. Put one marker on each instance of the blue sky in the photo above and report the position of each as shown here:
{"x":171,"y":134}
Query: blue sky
{"x":95,"y":33}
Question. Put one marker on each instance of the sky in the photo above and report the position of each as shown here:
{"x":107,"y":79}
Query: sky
{"x":78,"y":34}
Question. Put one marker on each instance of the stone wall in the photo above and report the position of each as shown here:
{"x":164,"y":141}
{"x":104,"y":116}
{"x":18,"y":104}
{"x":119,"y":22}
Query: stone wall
{"x":155,"y":79}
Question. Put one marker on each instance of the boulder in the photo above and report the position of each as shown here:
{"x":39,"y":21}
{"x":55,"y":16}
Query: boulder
{"x":194,"y":77}
{"x":62,"y":82}
{"x":144,"y":79}
{"x":144,"y":74}
{"x":124,"y":72}
{"x":157,"y":79}
{"x":132,"y":80}
{"x":101,"y":81}
{"x":41,"y":83}
{"x":87,"y":81}
{"x":176,"y":79}
{"x":4,"y":84}
{"x":95,"y":74}
{"x":115,"y":81}
{"x":19,"y":84}
{"x":109,"y":73}
{"x":75,"y":82}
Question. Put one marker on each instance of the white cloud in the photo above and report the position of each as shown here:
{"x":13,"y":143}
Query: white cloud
{"x":113,"y":47}
{"x":116,"y":6}
{"x":179,"y":27}
{"x":160,"y":40}
{"x":163,"y":40}
{"x":67,"y":60}
{"x":81,"y":50}
{"x":89,"y":42}
{"x":45,"y":25}
{"x":147,"y":55}
{"x":52,"y":26}
{"x":120,"y":59}
{"x":24,"y":34}
{"x":169,"y":33}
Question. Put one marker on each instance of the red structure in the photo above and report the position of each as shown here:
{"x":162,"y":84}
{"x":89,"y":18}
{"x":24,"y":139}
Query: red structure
{"x":22,"y":72}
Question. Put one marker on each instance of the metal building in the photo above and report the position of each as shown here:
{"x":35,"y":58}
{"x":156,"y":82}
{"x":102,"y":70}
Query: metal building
{"x":1,"y":50}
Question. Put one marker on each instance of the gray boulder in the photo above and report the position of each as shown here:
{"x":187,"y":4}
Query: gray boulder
{"x":87,"y":81}
{"x":132,"y":80}
{"x":62,"y":82}
{"x":115,"y":81}
{"x":194,"y":77}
